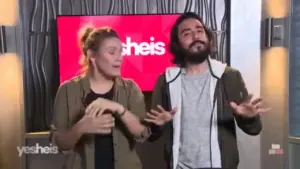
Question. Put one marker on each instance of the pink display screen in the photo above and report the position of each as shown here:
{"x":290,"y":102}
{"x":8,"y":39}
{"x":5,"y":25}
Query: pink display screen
{"x":145,"y":44}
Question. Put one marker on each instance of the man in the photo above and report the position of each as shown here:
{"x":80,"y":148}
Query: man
{"x":203,"y":97}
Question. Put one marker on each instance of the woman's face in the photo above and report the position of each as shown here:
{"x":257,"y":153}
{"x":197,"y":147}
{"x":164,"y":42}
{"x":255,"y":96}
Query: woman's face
{"x":108,"y":59}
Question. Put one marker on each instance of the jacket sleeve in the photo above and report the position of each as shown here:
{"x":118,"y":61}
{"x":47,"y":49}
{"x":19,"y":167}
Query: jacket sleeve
{"x":157,"y":99}
{"x":60,"y":114}
{"x":137,"y":106}
{"x":251,"y":126}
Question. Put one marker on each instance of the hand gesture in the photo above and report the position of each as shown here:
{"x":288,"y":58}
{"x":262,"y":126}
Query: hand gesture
{"x":249,"y":108}
{"x":160,"y":117}
{"x":98,"y":106}
{"x":101,"y":124}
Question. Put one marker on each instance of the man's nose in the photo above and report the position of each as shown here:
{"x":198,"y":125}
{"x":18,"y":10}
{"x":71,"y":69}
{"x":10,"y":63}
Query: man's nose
{"x":196,"y":36}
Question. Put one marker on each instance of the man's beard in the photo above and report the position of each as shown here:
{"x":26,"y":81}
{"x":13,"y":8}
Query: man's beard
{"x":196,"y":57}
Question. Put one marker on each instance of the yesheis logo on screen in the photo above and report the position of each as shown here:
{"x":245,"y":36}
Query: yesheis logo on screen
{"x":37,"y":149}
{"x":144,"y":48}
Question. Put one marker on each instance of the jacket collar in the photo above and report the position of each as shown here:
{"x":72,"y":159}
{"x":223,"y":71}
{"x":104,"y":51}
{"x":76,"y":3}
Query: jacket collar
{"x":217,"y":67}
{"x":85,"y":85}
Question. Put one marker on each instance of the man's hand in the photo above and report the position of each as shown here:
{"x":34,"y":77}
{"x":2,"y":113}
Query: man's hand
{"x":249,"y":108}
{"x":160,"y":117}
{"x":98,"y":106}
{"x":101,"y":124}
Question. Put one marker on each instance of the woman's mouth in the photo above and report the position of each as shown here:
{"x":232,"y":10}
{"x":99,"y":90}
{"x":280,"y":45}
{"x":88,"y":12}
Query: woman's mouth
{"x":116,"y":66}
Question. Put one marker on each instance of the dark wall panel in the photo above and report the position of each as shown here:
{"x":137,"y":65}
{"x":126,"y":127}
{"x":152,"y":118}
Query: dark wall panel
{"x":2,"y":40}
{"x":39,"y":43}
{"x":294,"y":64}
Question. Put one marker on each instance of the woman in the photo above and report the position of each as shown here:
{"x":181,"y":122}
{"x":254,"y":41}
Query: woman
{"x":97,"y":114}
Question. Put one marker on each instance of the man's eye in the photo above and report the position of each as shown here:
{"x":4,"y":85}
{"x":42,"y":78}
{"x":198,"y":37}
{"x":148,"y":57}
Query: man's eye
{"x":186,"y":34}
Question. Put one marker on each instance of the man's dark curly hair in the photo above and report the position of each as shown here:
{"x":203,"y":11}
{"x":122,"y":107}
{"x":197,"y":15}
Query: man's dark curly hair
{"x":175,"y":48}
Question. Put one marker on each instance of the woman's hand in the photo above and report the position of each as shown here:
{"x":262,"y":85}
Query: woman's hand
{"x":98,"y":107}
{"x":101,"y":124}
{"x":161,"y":116}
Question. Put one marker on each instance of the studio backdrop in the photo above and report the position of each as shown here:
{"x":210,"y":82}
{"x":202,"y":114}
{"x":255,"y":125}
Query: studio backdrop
{"x":41,"y":60}
{"x":41,"y":64}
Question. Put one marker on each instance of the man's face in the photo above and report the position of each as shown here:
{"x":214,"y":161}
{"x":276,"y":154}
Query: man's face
{"x":193,"y":40}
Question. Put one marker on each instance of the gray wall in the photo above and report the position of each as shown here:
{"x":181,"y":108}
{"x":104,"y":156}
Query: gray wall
{"x":294,"y":83}
{"x":245,"y":56}
{"x":266,"y":74}
{"x":294,"y":153}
